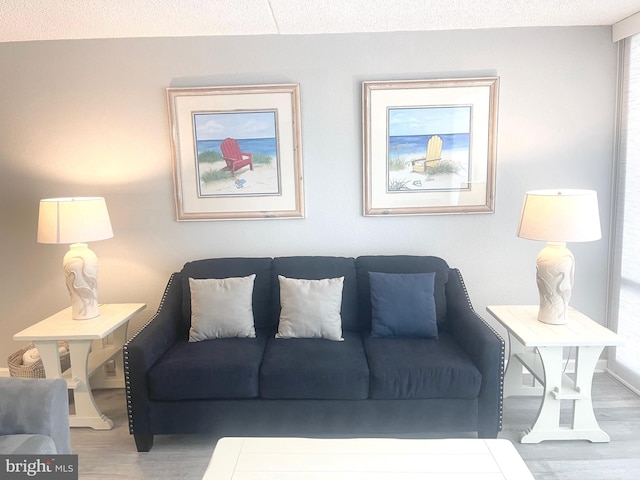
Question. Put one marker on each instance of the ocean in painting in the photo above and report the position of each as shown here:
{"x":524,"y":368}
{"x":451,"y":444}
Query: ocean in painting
{"x":415,"y":146}
{"x":266,"y":146}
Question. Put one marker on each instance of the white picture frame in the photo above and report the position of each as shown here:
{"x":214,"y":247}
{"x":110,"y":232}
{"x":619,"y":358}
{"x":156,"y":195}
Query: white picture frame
{"x":267,"y":183}
{"x":399,"y":120}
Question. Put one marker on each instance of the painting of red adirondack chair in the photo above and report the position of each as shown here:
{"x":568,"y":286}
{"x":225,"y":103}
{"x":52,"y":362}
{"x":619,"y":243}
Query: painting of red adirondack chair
{"x":234,"y":157}
{"x":237,"y":153}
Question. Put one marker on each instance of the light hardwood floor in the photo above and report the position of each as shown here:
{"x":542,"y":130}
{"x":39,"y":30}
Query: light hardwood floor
{"x":112,"y":455}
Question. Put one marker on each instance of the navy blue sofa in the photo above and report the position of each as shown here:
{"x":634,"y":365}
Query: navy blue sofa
{"x":362,"y":386}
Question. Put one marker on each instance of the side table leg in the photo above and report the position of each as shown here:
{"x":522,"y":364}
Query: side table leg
{"x":584,"y":419}
{"x":513,"y":373}
{"x":119,"y":339}
{"x":50,"y":357}
{"x":513,"y":385}
{"x":99,"y":378}
{"x":87,"y":413}
{"x":548,"y":419}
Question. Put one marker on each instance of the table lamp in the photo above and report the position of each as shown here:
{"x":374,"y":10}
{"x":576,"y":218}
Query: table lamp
{"x":76,"y":221}
{"x":557,"y":217}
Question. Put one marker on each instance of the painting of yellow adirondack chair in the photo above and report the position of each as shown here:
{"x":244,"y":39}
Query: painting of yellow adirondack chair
{"x":428,"y":148}
{"x":434,"y":155}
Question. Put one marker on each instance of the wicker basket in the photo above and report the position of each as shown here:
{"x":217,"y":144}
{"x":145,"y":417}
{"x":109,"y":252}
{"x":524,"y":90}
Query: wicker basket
{"x":36,"y":369}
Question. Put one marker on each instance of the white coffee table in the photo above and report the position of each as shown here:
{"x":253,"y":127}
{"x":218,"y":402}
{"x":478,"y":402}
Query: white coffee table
{"x":365,"y":458}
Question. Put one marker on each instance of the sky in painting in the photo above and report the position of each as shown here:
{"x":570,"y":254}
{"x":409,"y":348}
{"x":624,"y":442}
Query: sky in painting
{"x":217,"y":126}
{"x":428,"y":121}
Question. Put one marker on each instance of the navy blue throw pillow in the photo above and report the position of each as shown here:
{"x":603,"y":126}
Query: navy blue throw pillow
{"x":402,"y":305}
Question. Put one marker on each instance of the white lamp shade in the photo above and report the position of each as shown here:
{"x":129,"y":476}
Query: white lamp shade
{"x":73,"y":220}
{"x":560,"y":216}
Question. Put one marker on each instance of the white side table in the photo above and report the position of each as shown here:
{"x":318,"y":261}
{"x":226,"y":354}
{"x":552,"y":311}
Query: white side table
{"x":92,"y":343}
{"x":539,"y":347}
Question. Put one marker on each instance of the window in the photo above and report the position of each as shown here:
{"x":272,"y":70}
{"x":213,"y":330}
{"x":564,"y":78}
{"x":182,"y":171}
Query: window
{"x":624,"y":361}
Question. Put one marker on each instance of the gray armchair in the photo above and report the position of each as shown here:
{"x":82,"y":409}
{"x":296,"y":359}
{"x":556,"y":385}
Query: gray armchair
{"x":34,"y":416}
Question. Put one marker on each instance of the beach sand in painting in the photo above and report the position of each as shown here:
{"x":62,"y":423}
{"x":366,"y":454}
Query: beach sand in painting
{"x":402,"y":178}
{"x":262,"y":180}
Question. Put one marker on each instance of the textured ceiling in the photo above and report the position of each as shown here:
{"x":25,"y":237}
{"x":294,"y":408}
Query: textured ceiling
{"x":23,"y":20}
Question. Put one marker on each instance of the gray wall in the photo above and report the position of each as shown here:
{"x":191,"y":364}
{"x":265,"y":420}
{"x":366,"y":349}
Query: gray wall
{"x":90,"y":118}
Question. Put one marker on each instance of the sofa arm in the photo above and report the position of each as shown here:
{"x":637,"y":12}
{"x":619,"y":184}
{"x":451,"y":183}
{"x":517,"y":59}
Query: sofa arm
{"x":36,"y":406}
{"x":145,"y":348}
{"x":486,"y":349}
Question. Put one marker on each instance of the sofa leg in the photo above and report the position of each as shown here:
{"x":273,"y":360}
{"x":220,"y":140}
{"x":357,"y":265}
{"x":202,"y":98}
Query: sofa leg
{"x":488,"y":433}
{"x":144,"y":441}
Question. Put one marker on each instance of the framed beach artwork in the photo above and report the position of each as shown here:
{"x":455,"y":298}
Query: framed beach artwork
{"x":237,"y":152}
{"x":429,"y":146}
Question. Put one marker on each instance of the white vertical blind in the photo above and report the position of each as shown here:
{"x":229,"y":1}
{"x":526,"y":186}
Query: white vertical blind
{"x":625,"y":361}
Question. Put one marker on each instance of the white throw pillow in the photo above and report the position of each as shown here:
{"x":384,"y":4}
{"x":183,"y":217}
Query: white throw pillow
{"x":221,"y":308}
{"x":310,"y":308}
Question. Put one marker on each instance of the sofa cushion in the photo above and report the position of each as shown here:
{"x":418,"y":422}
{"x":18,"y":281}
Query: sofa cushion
{"x":310,"y":308}
{"x":402,"y":264}
{"x":211,"y":369}
{"x":227,"y":268}
{"x":317,"y":268}
{"x":314,"y":368}
{"x":221,"y":308}
{"x":27,"y":444}
{"x":402,"y":305}
{"x":413,"y":368}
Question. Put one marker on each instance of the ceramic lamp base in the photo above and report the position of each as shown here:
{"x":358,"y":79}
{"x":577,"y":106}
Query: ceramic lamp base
{"x":81,"y":277}
{"x":554,"y":276}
